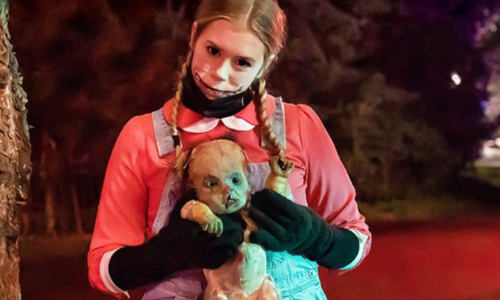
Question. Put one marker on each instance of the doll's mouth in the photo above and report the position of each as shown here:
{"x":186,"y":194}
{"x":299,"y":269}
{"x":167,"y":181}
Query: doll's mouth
{"x":230,"y":202}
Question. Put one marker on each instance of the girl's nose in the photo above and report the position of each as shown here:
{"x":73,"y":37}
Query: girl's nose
{"x":222,"y":72}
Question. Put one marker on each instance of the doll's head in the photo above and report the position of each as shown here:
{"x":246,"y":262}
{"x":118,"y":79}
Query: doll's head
{"x":217,"y":172}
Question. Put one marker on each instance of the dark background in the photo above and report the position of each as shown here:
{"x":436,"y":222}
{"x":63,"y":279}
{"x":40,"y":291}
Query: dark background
{"x":379,"y":73}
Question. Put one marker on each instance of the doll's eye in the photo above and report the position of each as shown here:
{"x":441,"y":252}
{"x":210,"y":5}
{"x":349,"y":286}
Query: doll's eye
{"x":211,"y":181}
{"x":236,"y":178}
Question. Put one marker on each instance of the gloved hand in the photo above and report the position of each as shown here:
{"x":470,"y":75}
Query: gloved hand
{"x":286,"y":226}
{"x":181,"y":245}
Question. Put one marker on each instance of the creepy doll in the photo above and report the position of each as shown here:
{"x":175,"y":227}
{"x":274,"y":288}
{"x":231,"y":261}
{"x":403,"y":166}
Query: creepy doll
{"x":217,"y":172}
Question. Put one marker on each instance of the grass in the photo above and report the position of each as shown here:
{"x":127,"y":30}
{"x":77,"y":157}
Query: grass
{"x":490,"y":174}
{"x":476,"y":192}
{"x":414,"y":208}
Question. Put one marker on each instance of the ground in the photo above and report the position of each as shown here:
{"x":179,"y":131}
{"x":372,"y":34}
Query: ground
{"x":457,"y":259}
{"x":427,"y":248}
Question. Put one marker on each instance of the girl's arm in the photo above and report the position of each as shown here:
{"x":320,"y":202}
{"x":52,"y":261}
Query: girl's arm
{"x":121,"y":216}
{"x":119,"y":257}
{"x":330,"y":231}
{"x":329,"y":190}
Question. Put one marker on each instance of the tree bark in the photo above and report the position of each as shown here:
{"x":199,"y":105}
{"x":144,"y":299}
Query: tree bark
{"x":15,"y":166}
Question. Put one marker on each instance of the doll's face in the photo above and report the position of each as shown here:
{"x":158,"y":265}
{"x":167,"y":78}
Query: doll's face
{"x":218,"y":174}
{"x":227,"y":58}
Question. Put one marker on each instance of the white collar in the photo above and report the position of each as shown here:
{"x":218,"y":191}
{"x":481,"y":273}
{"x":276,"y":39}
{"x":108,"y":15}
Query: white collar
{"x":207,"y":124}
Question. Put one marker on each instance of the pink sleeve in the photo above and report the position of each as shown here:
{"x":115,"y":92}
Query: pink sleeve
{"x":121,"y":216}
{"x":329,"y":190}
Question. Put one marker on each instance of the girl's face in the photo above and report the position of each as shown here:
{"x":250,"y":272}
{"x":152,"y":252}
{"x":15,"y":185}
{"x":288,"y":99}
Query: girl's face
{"x":227,"y":58}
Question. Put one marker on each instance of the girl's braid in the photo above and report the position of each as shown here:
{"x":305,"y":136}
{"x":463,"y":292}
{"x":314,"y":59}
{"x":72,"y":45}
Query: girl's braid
{"x":259,"y":99}
{"x":180,"y":157}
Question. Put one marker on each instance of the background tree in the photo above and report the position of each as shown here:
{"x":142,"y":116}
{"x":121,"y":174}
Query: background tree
{"x":15,"y":164}
{"x":488,"y":39}
{"x":398,"y":83}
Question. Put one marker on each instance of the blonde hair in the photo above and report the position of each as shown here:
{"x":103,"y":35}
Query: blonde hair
{"x":266,"y":19}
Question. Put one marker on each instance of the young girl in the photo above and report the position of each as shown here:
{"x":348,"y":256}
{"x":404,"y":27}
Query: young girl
{"x":139,"y":237}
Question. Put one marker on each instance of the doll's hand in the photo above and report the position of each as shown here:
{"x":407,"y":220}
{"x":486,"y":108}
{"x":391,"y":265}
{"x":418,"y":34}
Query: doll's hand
{"x":200,"y":213}
{"x":286,"y":226}
{"x":213,"y":224}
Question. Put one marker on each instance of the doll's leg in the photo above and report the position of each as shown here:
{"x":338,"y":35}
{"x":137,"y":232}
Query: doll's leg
{"x":268,"y":290}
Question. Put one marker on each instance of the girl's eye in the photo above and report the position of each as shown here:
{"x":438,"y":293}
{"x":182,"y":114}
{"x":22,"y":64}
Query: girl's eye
{"x":243,"y":63}
{"x":213,"y":51}
{"x":236,"y":180}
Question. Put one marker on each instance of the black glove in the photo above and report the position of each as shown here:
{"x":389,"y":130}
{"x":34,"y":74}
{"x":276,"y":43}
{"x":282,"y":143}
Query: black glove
{"x":286,"y":226}
{"x":181,"y":245}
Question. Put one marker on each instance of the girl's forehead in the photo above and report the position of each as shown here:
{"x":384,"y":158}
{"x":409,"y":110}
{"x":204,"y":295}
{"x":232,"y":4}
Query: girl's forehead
{"x":236,"y":39}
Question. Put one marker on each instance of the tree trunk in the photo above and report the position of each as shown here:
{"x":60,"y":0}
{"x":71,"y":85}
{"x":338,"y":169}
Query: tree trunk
{"x":76,"y":209}
{"x":15,"y":166}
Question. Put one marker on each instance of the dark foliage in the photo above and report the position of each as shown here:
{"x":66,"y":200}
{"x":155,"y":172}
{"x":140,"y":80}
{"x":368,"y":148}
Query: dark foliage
{"x":378,"y":73}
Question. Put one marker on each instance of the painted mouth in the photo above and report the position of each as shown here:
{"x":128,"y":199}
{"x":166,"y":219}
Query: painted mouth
{"x":215,"y":92}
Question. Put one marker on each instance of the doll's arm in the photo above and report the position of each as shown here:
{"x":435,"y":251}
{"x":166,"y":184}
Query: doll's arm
{"x":277,"y":179}
{"x":200,"y":213}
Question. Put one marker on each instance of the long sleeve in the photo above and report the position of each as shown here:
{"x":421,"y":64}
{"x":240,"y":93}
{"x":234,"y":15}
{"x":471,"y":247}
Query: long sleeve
{"x":329,"y":190}
{"x":121,"y":217}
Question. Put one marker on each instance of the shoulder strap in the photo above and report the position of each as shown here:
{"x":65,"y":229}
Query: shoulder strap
{"x":163,"y":135}
{"x":278,"y":122}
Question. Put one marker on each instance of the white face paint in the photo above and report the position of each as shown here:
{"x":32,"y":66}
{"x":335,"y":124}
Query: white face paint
{"x":227,"y":58}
